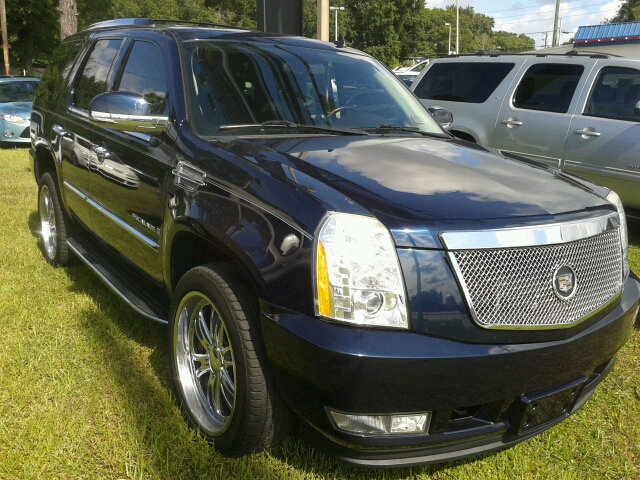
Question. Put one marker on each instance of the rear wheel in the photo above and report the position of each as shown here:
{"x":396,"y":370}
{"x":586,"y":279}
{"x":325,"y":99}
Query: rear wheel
{"x":54,"y":225}
{"x":218,"y":365}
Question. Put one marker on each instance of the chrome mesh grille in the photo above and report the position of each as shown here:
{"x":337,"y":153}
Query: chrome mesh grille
{"x":513,"y":287}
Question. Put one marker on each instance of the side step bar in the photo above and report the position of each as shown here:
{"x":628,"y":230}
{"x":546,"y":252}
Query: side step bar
{"x":148,"y":301}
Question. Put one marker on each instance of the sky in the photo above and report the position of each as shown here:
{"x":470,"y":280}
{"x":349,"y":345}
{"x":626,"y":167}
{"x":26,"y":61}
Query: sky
{"x":535,"y":17}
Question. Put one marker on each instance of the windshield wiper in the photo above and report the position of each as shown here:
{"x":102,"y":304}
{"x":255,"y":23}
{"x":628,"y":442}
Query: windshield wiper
{"x":393,"y":127}
{"x":293,"y":126}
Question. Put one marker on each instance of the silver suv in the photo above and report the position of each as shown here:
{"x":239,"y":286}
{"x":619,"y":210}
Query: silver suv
{"x":580,"y":113}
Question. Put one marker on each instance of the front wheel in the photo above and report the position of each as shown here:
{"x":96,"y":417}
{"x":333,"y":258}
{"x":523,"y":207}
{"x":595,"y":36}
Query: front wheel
{"x":54,"y":224}
{"x":218,"y":365}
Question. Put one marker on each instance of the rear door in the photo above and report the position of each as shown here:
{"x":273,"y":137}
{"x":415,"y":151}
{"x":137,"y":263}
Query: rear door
{"x":75,"y":130}
{"x":535,"y":120}
{"x":472,"y":89}
{"x":604,"y":137}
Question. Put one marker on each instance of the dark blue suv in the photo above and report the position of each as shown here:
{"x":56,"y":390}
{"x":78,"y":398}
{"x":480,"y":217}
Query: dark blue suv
{"x":323,"y":252}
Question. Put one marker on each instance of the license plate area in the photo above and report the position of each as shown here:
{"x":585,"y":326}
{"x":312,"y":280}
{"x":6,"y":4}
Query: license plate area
{"x":539,"y":408}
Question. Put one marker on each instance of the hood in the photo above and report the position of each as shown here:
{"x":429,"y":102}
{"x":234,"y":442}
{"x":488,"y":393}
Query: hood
{"x":424,"y":184}
{"x":22,"y":109}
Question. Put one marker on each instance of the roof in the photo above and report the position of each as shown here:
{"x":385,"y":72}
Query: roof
{"x":611,"y":34}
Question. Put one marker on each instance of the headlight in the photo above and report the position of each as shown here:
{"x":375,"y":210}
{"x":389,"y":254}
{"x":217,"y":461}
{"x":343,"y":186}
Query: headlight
{"x":357,"y":275}
{"x":12,"y":118}
{"x":624,"y":235}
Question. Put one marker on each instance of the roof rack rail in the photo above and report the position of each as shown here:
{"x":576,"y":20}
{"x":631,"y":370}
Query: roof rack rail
{"x":149,"y":22}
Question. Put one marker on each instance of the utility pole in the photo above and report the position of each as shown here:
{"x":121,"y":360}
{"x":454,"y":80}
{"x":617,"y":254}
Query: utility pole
{"x":554,"y":42}
{"x":323,"y":20}
{"x":5,"y":37}
{"x":457,"y":27}
{"x":336,"y":9}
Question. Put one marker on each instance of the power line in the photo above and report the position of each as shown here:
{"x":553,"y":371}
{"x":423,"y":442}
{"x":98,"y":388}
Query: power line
{"x":535,"y":13}
{"x":535,"y":6}
{"x":551,"y":18}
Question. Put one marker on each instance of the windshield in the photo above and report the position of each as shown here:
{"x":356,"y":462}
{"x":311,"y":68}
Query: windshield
{"x":24,"y":91}
{"x":234,"y":83}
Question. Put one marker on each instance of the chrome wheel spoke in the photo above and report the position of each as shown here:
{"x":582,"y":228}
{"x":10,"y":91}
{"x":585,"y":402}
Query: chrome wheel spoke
{"x":218,"y":332}
{"x":202,"y":331}
{"x":227,"y":383}
{"x":202,"y":364}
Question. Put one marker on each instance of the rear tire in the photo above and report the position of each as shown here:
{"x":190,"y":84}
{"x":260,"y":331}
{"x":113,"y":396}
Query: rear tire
{"x":53,"y":222}
{"x":218,"y":365}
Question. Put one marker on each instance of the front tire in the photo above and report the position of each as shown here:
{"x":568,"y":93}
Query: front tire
{"x":218,"y":366}
{"x":54,"y":224}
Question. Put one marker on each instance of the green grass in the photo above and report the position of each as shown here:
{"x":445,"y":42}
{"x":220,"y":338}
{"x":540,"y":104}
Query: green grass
{"x":84,"y":388}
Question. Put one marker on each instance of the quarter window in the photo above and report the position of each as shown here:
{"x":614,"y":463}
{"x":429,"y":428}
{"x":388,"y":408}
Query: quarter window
{"x":615,"y":94}
{"x":471,"y":82}
{"x":93,"y":80}
{"x":144,"y":74}
{"x":548,"y":87}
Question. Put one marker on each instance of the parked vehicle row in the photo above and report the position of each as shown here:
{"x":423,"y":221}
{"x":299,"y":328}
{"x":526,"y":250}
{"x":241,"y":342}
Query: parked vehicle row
{"x":579,"y":113}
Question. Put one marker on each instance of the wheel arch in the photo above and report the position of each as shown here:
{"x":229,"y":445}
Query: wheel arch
{"x":190,"y":248}
{"x":463,"y":135}
{"x":43,"y":162}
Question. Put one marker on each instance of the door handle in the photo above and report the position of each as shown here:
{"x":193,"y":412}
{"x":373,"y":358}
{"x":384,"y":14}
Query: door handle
{"x":59,"y":130}
{"x":587,"y":133}
{"x":512,"y":122}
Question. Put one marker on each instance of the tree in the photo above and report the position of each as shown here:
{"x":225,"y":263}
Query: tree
{"x":371,"y":27}
{"x":629,"y":11}
{"x":32,"y":27}
{"x":68,"y":18}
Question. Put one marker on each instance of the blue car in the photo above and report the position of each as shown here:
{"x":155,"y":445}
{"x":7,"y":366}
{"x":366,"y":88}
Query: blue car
{"x":16,"y":97}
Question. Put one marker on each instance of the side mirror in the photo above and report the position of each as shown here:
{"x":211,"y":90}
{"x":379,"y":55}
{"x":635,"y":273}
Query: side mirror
{"x":443,"y":116}
{"x":125,"y":112}
{"x":636,"y":110}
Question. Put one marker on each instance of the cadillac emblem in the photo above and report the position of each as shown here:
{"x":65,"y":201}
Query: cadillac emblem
{"x":565,"y":282}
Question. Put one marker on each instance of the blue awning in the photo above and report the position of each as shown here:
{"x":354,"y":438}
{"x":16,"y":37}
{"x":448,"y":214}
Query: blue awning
{"x":611,"y":34}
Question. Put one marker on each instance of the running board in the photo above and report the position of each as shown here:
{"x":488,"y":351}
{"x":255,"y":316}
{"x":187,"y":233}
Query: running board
{"x":138,"y":293}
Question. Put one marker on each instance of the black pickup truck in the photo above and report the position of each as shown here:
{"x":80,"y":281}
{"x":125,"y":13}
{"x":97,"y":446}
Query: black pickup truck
{"x":325,"y":255}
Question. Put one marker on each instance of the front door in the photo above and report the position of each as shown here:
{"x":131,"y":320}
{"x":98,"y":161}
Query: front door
{"x":604,"y":137}
{"x":128,"y":184}
{"x":535,"y":121}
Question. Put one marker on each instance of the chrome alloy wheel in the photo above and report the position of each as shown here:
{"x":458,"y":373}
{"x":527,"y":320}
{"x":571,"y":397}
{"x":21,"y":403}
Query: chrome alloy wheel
{"x":48,"y":230}
{"x":205,"y":363}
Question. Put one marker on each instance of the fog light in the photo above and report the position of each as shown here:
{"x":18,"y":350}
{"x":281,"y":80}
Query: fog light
{"x":400,"y":424}
{"x":8,"y":134}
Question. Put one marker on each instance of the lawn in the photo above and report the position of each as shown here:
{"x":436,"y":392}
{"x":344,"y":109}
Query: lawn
{"x":84,"y":388}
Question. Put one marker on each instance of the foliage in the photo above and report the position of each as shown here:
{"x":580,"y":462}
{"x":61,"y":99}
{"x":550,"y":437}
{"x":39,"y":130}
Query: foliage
{"x":629,"y":11}
{"x":32,"y":27}
{"x":391,"y":30}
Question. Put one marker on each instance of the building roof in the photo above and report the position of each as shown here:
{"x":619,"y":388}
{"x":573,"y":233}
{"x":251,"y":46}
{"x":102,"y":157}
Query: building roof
{"x":611,"y":34}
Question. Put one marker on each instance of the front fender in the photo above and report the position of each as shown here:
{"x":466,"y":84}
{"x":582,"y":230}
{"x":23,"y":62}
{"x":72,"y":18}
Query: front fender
{"x":274,"y":253}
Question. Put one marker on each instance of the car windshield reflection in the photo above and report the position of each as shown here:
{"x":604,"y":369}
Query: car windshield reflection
{"x":247,"y":84}
{"x":18,"y":91}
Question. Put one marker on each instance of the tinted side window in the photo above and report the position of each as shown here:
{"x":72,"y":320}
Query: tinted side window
{"x":144,"y":74}
{"x":615,"y":94}
{"x":462,"y":82}
{"x":548,"y":87}
{"x":93,"y":80}
{"x":58,"y":70}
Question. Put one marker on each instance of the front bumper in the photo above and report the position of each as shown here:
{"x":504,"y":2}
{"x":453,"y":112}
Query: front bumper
{"x":11,"y":133}
{"x":479,"y":394}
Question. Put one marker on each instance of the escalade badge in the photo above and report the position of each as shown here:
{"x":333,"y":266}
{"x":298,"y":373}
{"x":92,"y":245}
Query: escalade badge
{"x":564,"y":282}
